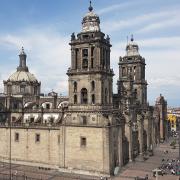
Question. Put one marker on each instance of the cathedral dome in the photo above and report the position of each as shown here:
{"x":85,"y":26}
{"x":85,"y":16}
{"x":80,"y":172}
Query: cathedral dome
{"x":91,"y":21}
{"x":22,"y":73}
{"x":22,"y":76}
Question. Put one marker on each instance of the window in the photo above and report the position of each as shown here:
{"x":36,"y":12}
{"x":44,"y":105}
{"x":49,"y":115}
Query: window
{"x":106,"y":94}
{"x":93,"y":99}
{"x":83,"y":141}
{"x":84,"y":120}
{"x":85,"y":58}
{"x":75,"y":86}
{"x":85,"y":36}
{"x":15,"y":106}
{"x":75,"y":99}
{"x":84,"y":97}
{"x":85,"y":53}
{"x":85,"y":63}
{"x":58,"y":137}
{"x":47,"y":106}
{"x":92,"y":62}
{"x":31,"y":119}
{"x":37,"y":138}
{"x":92,"y":51}
{"x":35,"y":90}
{"x":22,"y":89}
{"x":92,"y":86}
{"x":135,"y":93}
{"x":13,"y":119}
{"x":16,"y":137}
{"x":1,"y":107}
{"x":76,"y":58}
{"x":123,"y":71}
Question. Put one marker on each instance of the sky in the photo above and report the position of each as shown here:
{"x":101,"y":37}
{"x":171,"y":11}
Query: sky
{"x":44,"y":27}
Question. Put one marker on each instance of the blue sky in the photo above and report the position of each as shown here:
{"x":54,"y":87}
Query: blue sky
{"x":44,"y":27}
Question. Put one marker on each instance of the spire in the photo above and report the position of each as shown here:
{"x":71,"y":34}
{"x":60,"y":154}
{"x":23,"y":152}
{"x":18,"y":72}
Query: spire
{"x":132,"y":38}
{"x":22,"y":61}
{"x":90,"y":6}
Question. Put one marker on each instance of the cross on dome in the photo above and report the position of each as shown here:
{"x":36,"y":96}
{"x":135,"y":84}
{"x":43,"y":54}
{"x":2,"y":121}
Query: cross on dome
{"x":132,"y":38}
{"x":22,"y":51}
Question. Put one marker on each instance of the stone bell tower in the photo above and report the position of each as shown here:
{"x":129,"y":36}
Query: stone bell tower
{"x":94,"y":130}
{"x":90,"y":76}
{"x":133,"y":65}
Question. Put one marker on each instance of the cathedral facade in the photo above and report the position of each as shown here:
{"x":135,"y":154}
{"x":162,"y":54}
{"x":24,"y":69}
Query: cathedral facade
{"x":92,"y":131}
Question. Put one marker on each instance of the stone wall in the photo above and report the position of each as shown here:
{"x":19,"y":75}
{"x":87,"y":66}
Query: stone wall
{"x":59,"y":147}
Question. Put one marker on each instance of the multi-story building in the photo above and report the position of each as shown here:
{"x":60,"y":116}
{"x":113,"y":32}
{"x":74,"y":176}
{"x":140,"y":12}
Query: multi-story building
{"x":93,"y":131}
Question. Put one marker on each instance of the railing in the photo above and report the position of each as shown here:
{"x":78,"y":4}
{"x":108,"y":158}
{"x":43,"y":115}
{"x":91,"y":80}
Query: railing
{"x":95,"y":69}
{"x":43,"y":110}
{"x":31,"y":125}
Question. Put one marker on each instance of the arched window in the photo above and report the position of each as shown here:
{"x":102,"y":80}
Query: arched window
{"x":75,"y":86}
{"x":92,"y":86}
{"x":75,"y":99}
{"x":106,"y":95}
{"x":135,"y":93}
{"x":84,"y":120}
{"x":1,"y":107}
{"x":93,"y":99}
{"x":35,"y":90}
{"x":84,"y":96}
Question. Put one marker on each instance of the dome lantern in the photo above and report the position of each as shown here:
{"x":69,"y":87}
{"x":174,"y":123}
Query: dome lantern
{"x":132,"y":49}
{"x":91,"y":21}
{"x":22,"y":61}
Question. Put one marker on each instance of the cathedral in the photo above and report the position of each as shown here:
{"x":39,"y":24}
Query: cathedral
{"x":92,"y":131}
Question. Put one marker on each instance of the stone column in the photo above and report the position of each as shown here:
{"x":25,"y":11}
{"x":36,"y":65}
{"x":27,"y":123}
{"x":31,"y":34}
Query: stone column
{"x":128,"y":133}
{"x":140,"y":133}
{"x":72,"y":57}
{"x":147,"y":129}
{"x":120,"y":137}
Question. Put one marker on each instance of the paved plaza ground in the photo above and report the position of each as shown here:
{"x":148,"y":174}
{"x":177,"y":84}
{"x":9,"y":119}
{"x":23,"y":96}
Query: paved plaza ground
{"x":130,"y":171}
{"x":142,"y":168}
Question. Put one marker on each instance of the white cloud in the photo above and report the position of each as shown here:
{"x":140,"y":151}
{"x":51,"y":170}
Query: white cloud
{"x":115,"y":7}
{"x":168,"y":23}
{"x":114,"y":25}
{"x":48,"y":56}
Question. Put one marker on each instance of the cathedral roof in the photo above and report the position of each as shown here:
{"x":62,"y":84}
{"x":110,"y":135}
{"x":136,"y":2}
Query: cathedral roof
{"x":91,"y":21}
{"x":22,"y":76}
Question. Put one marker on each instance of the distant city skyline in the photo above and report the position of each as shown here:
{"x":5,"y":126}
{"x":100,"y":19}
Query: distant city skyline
{"x":44,"y":28}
